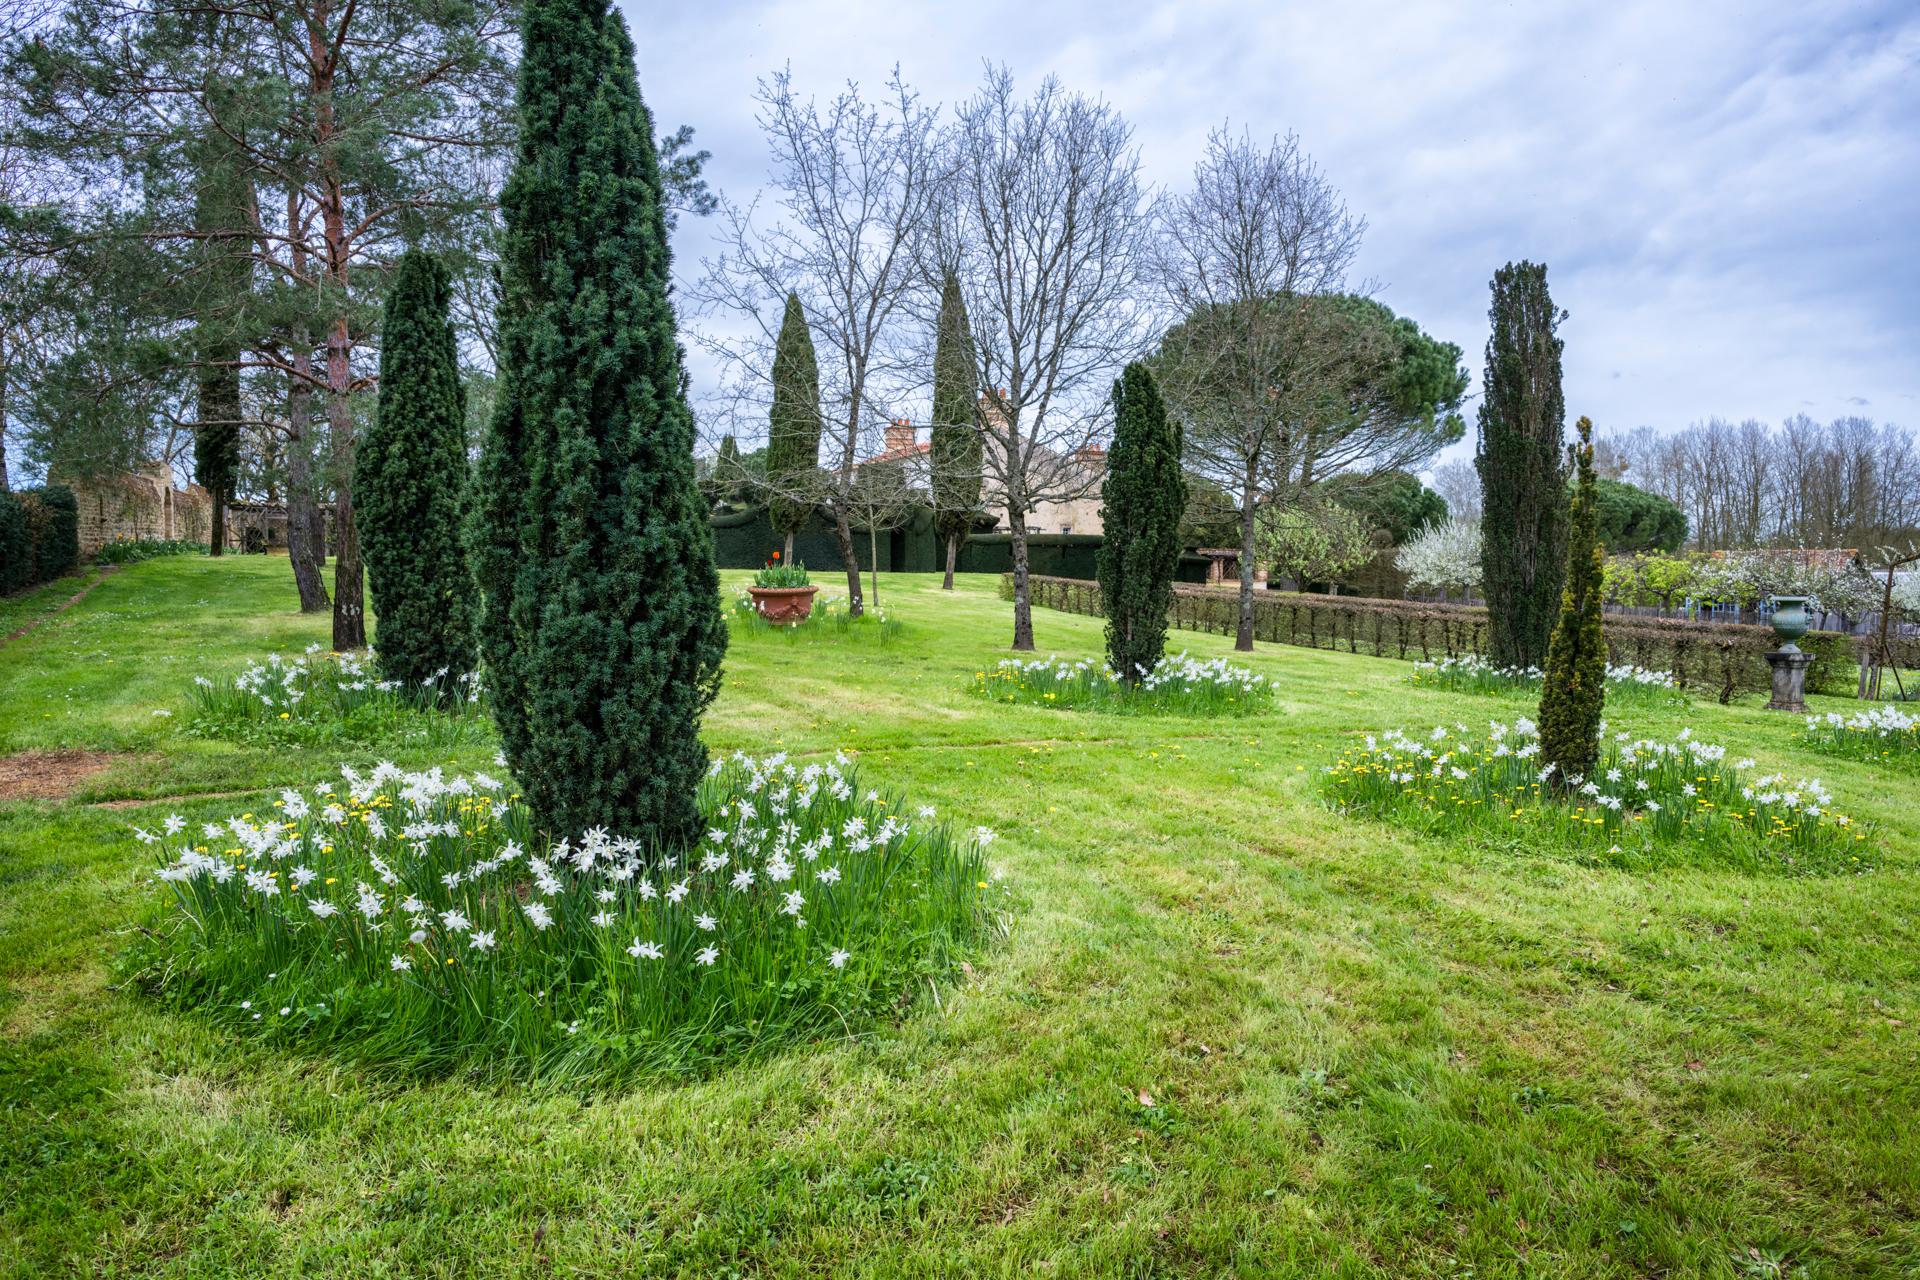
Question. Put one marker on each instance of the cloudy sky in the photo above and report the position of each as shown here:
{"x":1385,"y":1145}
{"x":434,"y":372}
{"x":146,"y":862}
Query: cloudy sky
{"x":1727,"y":195}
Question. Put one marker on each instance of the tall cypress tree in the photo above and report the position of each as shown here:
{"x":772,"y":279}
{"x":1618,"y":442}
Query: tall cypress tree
{"x":1574,"y":693}
{"x":956,"y":447}
{"x":1522,"y":470}
{"x":410,"y":471}
{"x":600,"y":625}
{"x":1143,"y":499}
{"x":793,"y":429}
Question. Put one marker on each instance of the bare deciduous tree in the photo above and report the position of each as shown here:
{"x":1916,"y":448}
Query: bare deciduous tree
{"x":1047,"y":226}
{"x":1239,"y":257}
{"x":854,"y":184}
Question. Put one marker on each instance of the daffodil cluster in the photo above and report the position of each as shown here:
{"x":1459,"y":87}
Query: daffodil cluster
{"x":1472,"y":673}
{"x":1884,"y":734}
{"x":1176,"y":683}
{"x":319,"y":695}
{"x":415,"y":916}
{"x":1648,"y":801}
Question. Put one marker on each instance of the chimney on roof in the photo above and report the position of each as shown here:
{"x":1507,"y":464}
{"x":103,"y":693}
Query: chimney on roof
{"x":899,"y":435}
{"x":1091,"y":456}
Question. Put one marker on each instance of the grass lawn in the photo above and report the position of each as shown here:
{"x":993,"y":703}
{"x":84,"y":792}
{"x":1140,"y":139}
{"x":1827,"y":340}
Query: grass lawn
{"x":1232,"y":1033}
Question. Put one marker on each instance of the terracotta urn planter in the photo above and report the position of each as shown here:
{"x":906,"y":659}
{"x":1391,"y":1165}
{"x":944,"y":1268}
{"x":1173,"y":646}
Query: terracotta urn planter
{"x":784,"y":606}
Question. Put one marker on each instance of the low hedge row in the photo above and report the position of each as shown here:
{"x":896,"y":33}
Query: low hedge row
{"x":39,"y":536}
{"x":1718,"y":658}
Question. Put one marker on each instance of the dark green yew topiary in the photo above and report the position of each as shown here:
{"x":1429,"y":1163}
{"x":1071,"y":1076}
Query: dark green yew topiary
{"x":1143,"y":500}
{"x":410,"y":481}
{"x":793,"y":427}
{"x":1523,"y":477}
{"x":1573,"y":695}
{"x":956,"y":448}
{"x":600,"y":628}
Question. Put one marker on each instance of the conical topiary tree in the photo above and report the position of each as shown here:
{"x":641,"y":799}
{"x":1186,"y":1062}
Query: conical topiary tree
{"x":1573,"y":696}
{"x":410,"y":477}
{"x":955,"y":449}
{"x":1523,"y":479}
{"x":793,"y":428}
{"x":600,"y":626}
{"x":1143,"y":499}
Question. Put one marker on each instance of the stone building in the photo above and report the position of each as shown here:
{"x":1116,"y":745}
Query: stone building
{"x":140,"y":504}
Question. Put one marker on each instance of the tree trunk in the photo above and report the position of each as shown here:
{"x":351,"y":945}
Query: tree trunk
{"x":873,"y":557}
{"x":786,"y":555}
{"x":1249,"y":494}
{"x":1022,"y":601}
{"x":5,"y":485}
{"x":217,"y":535}
{"x":349,"y":592}
{"x":953,"y":553}
{"x":843,"y":539}
{"x":307,"y":559}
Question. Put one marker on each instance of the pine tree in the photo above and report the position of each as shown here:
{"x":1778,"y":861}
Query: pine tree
{"x":1143,"y":500}
{"x":793,"y":434}
{"x":411,"y":475}
{"x":224,"y":281}
{"x":1574,"y":693}
{"x":600,"y":627}
{"x":1522,"y":471}
{"x":955,"y":447}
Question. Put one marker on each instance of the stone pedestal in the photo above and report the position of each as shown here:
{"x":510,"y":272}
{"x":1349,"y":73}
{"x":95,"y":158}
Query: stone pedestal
{"x":1789,"y":679}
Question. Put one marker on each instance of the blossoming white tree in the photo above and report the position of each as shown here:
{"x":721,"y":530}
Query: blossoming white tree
{"x":1444,"y":557}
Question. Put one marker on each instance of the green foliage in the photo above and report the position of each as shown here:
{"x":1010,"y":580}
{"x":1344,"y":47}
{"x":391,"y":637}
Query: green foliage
{"x":775,"y":574}
{"x":1315,"y":541}
{"x":793,"y":435}
{"x":223,"y":249}
{"x":16,"y":545}
{"x":956,"y":449}
{"x":335,"y":699}
{"x":1143,"y":498}
{"x":1522,"y":473}
{"x":1633,"y":520}
{"x":1573,"y":692}
{"x":1396,"y":503}
{"x":1176,"y":684}
{"x":135,"y":550}
{"x":410,"y":481}
{"x":603,"y":962}
{"x":601,"y":627}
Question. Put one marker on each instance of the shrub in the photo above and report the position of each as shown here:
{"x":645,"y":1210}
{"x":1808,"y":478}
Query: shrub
{"x":1143,"y":499}
{"x":1176,"y":683}
{"x":600,"y":628}
{"x":16,"y":546}
{"x":1573,"y":691}
{"x":410,"y":481}
{"x":1648,"y":803}
{"x":1884,"y":734}
{"x":416,"y":921}
{"x":319,"y":697}
{"x":135,"y":550}
{"x":57,"y":539}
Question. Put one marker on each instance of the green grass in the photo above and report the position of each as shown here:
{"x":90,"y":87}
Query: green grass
{"x":1232,"y":1032}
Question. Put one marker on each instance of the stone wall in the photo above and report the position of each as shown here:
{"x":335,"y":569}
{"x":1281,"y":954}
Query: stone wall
{"x":142,"y":504}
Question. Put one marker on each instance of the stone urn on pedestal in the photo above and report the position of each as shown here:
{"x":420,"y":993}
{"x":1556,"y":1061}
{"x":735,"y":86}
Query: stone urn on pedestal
{"x":1789,"y":664}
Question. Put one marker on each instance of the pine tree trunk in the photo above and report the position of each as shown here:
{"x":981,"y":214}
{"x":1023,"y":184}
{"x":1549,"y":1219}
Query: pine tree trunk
{"x":217,"y":534}
{"x":1022,"y":599}
{"x":306,"y":558}
{"x":953,"y":553}
{"x":349,"y":592}
{"x":1249,"y":495}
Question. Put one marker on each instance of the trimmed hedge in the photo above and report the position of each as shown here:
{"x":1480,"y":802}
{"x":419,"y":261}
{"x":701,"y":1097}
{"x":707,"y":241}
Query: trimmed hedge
{"x":39,"y":536}
{"x":1721,"y":659}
